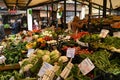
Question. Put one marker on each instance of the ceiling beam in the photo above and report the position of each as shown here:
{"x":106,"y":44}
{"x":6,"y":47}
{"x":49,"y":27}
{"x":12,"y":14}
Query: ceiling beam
{"x":28,"y":3}
{"x":111,"y":6}
{"x":5,"y":3}
{"x":23,"y":7}
{"x":24,"y":4}
{"x":16,"y":3}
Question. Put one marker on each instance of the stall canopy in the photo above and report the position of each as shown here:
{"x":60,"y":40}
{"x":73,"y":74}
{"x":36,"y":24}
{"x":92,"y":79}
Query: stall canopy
{"x":23,"y":4}
{"x":110,"y":3}
{"x":11,"y":4}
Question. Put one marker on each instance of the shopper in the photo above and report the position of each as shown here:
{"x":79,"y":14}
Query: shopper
{"x":40,"y":24}
{"x":2,"y":32}
{"x":60,"y":14}
{"x":15,"y":27}
{"x":35,"y":25}
{"x":77,"y":24}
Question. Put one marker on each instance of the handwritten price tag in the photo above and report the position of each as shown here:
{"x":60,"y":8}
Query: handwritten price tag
{"x":12,"y":78}
{"x":44,"y":68}
{"x":28,"y":39}
{"x":82,"y":43}
{"x":104,"y":33}
{"x":70,"y":52}
{"x":86,"y":66}
{"x":116,"y":34}
{"x":1,"y":48}
{"x":30,"y":51}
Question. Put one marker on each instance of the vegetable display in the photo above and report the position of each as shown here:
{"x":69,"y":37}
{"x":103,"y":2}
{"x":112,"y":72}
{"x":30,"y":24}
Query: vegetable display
{"x":26,"y":52}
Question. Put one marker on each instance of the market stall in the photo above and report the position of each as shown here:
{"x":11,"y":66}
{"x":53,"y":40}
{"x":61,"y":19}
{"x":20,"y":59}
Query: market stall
{"x":66,"y":54}
{"x":58,"y":54}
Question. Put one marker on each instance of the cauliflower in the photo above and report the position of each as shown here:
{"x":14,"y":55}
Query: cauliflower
{"x":26,"y":68}
{"x":63,"y":59}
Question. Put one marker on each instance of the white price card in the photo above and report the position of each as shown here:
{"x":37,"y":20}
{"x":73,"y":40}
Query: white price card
{"x":12,"y":78}
{"x":86,"y":66}
{"x":1,"y":48}
{"x":2,"y":59}
{"x":28,"y":39}
{"x":70,"y":52}
{"x":30,"y":51}
{"x":116,"y":34}
{"x":82,"y":43}
{"x":24,"y":32}
{"x":104,"y":33}
{"x":46,"y":66}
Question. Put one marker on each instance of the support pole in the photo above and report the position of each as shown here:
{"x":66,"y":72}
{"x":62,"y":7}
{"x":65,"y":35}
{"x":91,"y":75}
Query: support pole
{"x":64,"y":14}
{"x":90,"y":8}
{"x":52,"y":9}
{"x":90,"y":14}
{"x":99,"y":11}
{"x":111,"y":7}
{"x":75,"y":7}
{"x":29,"y":19}
{"x":104,"y":8}
{"x":47,"y":15}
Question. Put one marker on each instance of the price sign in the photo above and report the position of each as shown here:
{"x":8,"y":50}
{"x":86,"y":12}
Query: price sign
{"x":28,"y":39}
{"x":2,"y":59}
{"x":1,"y":48}
{"x":104,"y":33}
{"x":116,"y":34}
{"x":86,"y":66}
{"x":24,"y":32}
{"x":30,"y":51}
{"x":59,"y":78}
{"x":44,"y":68}
{"x":82,"y":43}
{"x":70,"y":52}
{"x":12,"y":78}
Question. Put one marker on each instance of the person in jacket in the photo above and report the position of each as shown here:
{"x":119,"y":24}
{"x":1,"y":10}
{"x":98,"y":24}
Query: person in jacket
{"x":2,"y":32}
{"x":15,"y":27}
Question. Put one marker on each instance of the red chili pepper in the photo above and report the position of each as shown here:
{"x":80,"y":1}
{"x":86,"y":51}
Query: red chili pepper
{"x":78,"y":35}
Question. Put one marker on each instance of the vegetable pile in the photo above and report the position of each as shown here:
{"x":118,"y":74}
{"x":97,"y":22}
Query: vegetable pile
{"x":31,"y":50}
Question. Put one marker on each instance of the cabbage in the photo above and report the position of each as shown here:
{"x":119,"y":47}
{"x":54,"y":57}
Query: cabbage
{"x":46,"y":52}
{"x":54,"y":55}
{"x":46,"y":58}
{"x":40,"y":53}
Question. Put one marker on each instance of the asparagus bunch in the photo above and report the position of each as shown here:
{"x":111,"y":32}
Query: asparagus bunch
{"x":64,"y":74}
{"x":49,"y":75}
